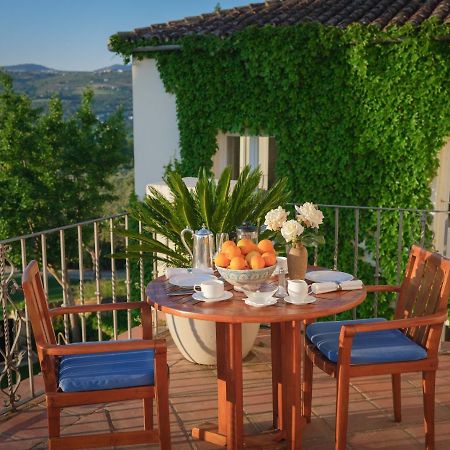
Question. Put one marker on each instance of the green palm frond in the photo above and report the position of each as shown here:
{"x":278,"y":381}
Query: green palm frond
{"x":205,"y":197}
{"x":212,"y":203}
{"x":222,"y":192}
{"x":184,"y":201}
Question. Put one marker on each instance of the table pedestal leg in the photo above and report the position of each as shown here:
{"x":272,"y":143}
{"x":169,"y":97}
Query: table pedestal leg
{"x":286,"y":367}
{"x":229,"y":430}
{"x":277,"y":384}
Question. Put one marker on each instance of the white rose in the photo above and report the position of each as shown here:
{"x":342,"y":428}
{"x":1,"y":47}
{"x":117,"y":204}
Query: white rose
{"x":275,"y":218}
{"x":309,"y":215}
{"x":291,"y":230}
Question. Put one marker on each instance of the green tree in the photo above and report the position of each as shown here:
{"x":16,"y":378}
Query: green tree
{"x":54,"y":170}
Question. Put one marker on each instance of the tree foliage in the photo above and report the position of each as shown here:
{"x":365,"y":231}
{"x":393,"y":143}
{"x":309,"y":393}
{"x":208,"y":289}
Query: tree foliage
{"x":54,"y":170}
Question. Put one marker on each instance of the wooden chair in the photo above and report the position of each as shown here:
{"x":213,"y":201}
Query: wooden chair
{"x":98,"y":372}
{"x":367,"y":347}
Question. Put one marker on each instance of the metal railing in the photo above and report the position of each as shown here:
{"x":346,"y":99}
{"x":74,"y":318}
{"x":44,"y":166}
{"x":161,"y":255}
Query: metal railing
{"x":417,"y":223}
{"x":65,"y":253}
{"x":64,"y":256}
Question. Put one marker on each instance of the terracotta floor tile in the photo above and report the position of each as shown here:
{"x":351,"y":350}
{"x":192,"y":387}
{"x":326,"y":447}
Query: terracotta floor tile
{"x":30,"y":424}
{"x":193,"y":399}
{"x":392,"y":439}
{"x":442,"y":434}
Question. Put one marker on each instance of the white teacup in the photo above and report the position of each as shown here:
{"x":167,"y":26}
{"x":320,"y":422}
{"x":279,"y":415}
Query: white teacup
{"x":211,"y":288}
{"x":298,"y":290}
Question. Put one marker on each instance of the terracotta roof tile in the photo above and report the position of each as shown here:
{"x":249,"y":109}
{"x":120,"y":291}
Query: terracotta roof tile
{"x":340,"y":13}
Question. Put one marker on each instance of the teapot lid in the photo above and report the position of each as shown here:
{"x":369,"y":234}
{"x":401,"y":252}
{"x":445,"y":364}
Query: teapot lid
{"x":247,"y":226}
{"x":203,"y":231}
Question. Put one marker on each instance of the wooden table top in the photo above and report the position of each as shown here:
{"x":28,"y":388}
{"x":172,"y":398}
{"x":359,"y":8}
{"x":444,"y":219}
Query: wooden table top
{"x":235,"y":310}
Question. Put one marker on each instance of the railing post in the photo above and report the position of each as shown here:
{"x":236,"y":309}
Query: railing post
{"x":98,"y":294}
{"x":81,"y":277}
{"x":113,"y":277}
{"x":127,"y":279}
{"x":336,"y":238}
{"x":12,"y":357}
{"x":356,"y":252}
{"x":377,"y":259}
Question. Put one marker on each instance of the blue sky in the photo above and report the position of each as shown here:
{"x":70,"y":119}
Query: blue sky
{"x":73,"y":34}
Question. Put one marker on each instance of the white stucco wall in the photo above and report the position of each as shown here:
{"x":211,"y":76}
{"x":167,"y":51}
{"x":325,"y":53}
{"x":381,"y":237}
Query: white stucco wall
{"x":156,"y":134}
{"x":440,"y":196}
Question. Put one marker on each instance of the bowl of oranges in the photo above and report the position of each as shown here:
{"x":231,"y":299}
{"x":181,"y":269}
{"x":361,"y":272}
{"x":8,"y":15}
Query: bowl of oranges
{"x":245,"y":264}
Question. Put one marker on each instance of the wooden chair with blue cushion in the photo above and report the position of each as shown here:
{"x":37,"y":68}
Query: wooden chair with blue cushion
{"x":368,"y":347}
{"x":98,"y":372}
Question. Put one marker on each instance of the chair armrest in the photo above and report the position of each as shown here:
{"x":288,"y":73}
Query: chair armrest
{"x":383,"y":288}
{"x":98,"y":308}
{"x":159,"y":345}
{"x":348,"y":332}
{"x":352,"y":329}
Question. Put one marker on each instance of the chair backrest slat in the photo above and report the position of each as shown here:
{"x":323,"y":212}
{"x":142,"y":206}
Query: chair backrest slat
{"x":425,"y":291}
{"x":41,"y":323}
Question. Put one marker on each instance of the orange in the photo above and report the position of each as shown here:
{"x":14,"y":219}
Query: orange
{"x":257,"y":262}
{"x":246,"y":246}
{"x":266,"y":246}
{"x":250,"y":255}
{"x":227,"y":245}
{"x":232,"y":252}
{"x":269,"y":258}
{"x":237,"y":263}
{"x":222,"y":260}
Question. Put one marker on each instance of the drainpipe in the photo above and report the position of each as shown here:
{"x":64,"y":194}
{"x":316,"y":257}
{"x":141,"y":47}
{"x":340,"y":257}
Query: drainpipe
{"x":156,"y":48}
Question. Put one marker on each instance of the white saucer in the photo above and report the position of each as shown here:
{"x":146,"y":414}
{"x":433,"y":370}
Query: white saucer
{"x":323,"y":276}
{"x":269,"y":302}
{"x":199,"y":296}
{"x":308,"y":299}
{"x":189,"y":280}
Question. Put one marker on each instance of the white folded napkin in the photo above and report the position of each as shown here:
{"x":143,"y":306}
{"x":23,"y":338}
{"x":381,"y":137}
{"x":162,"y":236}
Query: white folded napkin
{"x":321,"y":288}
{"x":172,"y":271}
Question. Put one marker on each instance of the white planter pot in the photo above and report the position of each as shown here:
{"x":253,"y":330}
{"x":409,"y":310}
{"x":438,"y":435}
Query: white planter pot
{"x":196,"y":339}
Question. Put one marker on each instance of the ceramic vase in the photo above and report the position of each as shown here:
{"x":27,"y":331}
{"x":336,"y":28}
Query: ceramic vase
{"x":297,"y":261}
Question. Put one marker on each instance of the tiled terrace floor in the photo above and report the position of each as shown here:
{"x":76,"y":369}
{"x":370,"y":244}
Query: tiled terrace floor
{"x":193,"y":400}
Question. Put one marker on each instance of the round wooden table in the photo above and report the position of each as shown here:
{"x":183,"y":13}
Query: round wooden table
{"x":286,"y":348}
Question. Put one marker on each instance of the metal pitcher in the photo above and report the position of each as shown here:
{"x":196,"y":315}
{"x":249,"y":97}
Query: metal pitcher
{"x":203,"y":247}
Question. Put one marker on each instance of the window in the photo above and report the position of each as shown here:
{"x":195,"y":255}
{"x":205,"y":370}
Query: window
{"x":238,"y":151}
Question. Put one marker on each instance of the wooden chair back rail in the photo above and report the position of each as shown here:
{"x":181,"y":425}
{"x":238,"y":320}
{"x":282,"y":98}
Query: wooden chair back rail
{"x":424,"y":291}
{"x":38,"y":310}
{"x":40,"y":317}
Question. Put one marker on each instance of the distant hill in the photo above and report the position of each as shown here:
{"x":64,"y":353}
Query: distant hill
{"x":115,"y":67}
{"x":111,"y":86}
{"x":28,"y":68}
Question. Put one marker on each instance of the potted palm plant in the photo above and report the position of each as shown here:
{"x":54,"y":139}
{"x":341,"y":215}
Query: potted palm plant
{"x":221,"y":208}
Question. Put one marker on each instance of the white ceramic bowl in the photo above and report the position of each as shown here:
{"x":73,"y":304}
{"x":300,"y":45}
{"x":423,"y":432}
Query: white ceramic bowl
{"x":249,"y":279}
{"x":262,"y":294}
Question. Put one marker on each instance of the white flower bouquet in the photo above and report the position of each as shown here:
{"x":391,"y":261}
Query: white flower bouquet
{"x":299,"y":230}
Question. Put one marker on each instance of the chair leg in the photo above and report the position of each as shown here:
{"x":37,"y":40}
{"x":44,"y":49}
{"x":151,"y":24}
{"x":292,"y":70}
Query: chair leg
{"x":342,"y":396}
{"x":162,"y":407}
{"x":54,"y":422}
{"x":397,"y":396}
{"x":429,"y":386}
{"x":307,"y":387}
{"x":148,"y":413}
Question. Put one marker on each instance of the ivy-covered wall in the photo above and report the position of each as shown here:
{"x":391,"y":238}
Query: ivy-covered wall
{"x":358,"y":115}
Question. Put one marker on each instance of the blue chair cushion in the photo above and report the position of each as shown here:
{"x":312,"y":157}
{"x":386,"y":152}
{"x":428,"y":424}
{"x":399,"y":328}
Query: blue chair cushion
{"x":111,"y":370}
{"x":368,"y":348}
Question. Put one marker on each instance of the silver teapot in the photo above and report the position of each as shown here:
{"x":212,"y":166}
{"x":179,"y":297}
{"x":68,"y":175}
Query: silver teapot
{"x":202,"y":245}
